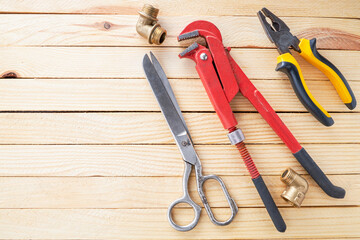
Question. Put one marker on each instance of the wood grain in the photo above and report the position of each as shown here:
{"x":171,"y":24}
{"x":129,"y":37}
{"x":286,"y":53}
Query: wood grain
{"x":152,"y":223}
{"x":150,"y":128}
{"x":345,"y":8}
{"x":237,"y":31}
{"x":113,"y":62}
{"x":154,"y":192}
{"x":136,"y":95}
{"x":86,"y":154}
{"x":165,"y":160}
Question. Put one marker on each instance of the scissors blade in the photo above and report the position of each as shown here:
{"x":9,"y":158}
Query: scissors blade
{"x":174,"y":121}
{"x":166,"y":83}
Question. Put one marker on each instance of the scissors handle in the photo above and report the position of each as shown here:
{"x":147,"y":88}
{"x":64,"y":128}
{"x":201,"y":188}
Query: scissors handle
{"x":197,"y":210}
{"x":231,"y":202}
{"x":187,"y":200}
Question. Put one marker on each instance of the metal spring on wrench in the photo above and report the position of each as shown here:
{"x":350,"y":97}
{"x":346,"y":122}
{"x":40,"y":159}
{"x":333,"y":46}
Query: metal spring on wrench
{"x":249,"y":163}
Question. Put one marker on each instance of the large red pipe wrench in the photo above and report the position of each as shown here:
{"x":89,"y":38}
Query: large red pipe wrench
{"x":223,"y":79}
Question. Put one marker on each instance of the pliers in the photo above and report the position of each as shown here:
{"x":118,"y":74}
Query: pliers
{"x":279,"y":33}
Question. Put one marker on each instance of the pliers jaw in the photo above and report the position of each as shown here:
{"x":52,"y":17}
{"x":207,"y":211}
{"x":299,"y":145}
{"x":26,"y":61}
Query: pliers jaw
{"x":278,"y":33}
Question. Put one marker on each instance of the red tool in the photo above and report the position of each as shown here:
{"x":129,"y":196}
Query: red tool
{"x":223,"y":79}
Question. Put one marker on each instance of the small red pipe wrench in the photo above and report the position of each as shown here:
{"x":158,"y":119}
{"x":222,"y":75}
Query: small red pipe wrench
{"x":223,"y":79}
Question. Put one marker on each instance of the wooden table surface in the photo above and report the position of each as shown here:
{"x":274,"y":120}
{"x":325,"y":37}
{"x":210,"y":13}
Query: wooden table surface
{"x":86,"y":154}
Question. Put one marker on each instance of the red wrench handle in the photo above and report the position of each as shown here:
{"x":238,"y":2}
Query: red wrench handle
{"x":267,"y":112}
{"x":263,"y":107}
{"x":213,"y":88}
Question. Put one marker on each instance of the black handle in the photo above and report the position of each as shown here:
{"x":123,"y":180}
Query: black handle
{"x":288,"y":65}
{"x":269,"y":204}
{"x":320,"y":178}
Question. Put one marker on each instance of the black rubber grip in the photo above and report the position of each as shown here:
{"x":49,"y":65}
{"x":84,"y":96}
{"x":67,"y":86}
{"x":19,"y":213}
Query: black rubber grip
{"x":320,"y":178}
{"x":350,"y":105}
{"x":292,"y":72}
{"x":269,"y":204}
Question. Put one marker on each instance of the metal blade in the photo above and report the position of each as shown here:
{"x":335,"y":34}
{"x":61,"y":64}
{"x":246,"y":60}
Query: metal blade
{"x":166,"y":83}
{"x":174,"y":121}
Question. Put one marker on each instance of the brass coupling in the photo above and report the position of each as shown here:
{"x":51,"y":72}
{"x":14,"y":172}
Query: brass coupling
{"x":297,"y":186}
{"x":148,"y":27}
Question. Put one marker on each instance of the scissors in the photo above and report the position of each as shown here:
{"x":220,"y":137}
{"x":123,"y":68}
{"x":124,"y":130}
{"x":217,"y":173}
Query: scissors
{"x":171,"y":110}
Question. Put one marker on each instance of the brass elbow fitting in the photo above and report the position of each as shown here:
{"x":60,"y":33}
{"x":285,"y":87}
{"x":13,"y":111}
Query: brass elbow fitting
{"x":297,"y":186}
{"x":148,"y":27}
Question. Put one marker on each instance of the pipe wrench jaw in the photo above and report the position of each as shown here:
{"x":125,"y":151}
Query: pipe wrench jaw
{"x":192,"y":52}
{"x":214,"y":68}
{"x":204,"y":29}
{"x":200,"y":29}
{"x":219,"y":54}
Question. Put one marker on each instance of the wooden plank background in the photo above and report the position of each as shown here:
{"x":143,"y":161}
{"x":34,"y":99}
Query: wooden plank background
{"x":86,"y":154}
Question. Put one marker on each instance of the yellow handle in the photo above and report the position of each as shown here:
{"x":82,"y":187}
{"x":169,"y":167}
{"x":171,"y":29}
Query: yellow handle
{"x":288,"y":65}
{"x":310,"y":54}
{"x":287,"y":57}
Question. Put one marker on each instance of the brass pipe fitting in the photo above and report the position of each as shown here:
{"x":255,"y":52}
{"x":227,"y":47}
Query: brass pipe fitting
{"x":297,"y":186}
{"x":148,"y":27}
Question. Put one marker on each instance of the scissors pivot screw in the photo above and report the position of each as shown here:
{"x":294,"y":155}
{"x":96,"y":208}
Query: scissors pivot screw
{"x":185,"y":143}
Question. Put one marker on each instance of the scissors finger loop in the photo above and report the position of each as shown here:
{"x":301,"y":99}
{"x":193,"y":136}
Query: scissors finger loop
{"x":232,"y":204}
{"x":197,"y":210}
